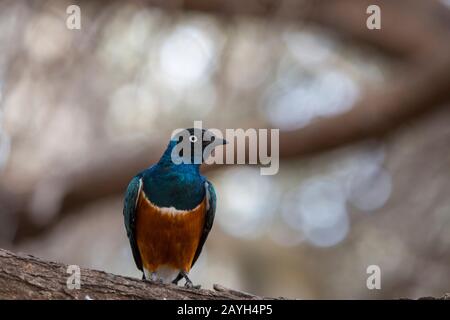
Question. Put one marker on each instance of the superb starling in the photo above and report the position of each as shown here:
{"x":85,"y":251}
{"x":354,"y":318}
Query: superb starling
{"x":169,"y":209}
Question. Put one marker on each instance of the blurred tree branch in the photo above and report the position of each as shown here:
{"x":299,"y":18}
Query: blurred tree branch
{"x":378,"y":113}
{"x":26,"y":277}
{"x":406,"y":24}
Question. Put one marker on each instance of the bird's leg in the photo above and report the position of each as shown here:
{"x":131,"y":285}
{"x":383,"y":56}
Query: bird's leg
{"x":178,"y":278}
{"x":188,"y":283}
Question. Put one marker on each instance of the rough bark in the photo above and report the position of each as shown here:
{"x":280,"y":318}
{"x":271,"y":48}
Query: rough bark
{"x":27,"y":277}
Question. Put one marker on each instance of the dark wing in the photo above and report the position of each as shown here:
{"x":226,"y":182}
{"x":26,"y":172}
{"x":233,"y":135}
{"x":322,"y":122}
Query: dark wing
{"x":129,"y":214}
{"x":209,"y":218}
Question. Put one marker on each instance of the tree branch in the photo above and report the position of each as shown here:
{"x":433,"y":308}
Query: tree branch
{"x":27,"y":277}
{"x":347,"y":18}
{"x":377,"y":113}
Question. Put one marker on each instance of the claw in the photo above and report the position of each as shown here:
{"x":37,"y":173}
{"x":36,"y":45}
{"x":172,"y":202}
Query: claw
{"x":189,"y":283}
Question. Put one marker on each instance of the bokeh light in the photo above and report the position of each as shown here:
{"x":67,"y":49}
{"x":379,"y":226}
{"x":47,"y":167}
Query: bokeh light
{"x":318,"y":209}
{"x":45,"y":40}
{"x":133,"y":110}
{"x":310,"y":48}
{"x":367,"y":183}
{"x":127,"y":40}
{"x":247,"y":208}
{"x":186,"y":56}
{"x":370,"y":188}
{"x":302,"y":98}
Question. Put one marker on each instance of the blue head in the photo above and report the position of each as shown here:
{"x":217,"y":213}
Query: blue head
{"x":191,"y":147}
{"x":175,"y":180}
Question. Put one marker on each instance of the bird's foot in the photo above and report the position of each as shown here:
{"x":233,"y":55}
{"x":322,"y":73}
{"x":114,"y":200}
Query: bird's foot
{"x":189,"y":283}
{"x":178,"y":278}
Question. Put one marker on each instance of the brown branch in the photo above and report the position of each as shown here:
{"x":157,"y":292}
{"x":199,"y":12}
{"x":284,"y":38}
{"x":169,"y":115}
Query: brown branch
{"x":27,"y":277}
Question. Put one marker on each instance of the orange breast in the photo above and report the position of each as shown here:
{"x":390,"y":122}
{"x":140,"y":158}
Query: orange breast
{"x":166,"y":237}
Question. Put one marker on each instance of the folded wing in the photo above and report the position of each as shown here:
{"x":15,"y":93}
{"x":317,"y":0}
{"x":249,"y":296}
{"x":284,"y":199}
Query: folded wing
{"x":209,"y":217}
{"x":129,"y":214}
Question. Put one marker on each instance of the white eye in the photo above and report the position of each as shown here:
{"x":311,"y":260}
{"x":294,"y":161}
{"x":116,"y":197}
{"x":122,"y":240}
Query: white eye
{"x":193,"y":139}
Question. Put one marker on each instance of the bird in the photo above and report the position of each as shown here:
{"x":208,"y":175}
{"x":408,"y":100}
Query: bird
{"x":169,"y":209}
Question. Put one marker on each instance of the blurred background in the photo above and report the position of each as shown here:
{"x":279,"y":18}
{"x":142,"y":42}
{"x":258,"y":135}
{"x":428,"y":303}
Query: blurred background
{"x":364,"y":136}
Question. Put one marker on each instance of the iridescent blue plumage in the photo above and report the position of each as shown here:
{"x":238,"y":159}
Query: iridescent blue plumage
{"x":169,"y":185}
{"x":174,"y":185}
